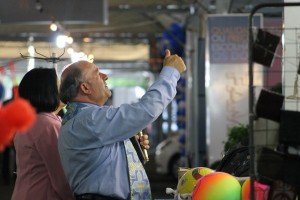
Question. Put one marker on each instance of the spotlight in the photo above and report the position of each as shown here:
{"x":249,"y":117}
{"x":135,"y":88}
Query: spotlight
{"x":53,"y":26}
{"x":69,"y":40}
{"x":61,"y":41}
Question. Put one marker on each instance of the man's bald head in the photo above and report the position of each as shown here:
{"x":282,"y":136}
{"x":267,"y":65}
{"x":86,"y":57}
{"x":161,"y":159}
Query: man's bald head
{"x":71,"y":78}
{"x":79,"y":65}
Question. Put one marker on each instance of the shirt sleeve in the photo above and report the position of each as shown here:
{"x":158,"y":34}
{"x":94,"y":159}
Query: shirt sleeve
{"x":47,"y":146}
{"x":123,"y":122}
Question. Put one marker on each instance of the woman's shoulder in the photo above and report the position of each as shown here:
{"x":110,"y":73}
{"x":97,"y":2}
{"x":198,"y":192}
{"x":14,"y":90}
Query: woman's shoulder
{"x":44,"y":117}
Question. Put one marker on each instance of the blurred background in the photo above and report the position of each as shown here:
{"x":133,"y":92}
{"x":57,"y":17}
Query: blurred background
{"x":127,"y":40}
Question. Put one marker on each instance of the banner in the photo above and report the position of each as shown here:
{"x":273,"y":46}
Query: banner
{"x":228,"y":38}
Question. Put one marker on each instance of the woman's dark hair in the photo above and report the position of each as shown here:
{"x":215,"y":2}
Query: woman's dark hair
{"x":39,"y":87}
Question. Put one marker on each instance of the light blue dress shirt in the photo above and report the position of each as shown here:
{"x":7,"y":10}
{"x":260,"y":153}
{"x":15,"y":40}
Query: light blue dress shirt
{"x":91,"y":143}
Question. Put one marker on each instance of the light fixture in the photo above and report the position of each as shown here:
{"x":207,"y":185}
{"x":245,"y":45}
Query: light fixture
{"x":70,"y":51}
{"x":38,"y":6}
{"x":172,"y":7}
{"x":87,"y":39}
{"x":53,"y":26}
{"x":69,"y":40}
{"x":61,"y":41}
{"x":31,"y":50}
{"x":192,"y":9}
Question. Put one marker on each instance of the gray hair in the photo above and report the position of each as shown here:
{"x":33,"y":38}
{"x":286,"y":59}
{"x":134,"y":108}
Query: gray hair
{"x":70,"y":84}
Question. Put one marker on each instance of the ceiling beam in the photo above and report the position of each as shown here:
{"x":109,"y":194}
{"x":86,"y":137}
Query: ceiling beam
{"x":172,"y":8}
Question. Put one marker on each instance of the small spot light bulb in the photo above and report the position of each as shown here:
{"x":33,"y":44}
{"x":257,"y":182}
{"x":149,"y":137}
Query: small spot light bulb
{"x":53,"y":26}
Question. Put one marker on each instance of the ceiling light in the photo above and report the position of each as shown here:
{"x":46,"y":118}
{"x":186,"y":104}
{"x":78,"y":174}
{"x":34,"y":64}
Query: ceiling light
{"x":192,"y":9}
{"x":124,"y":6}
{"x":172,"y":7}
{"x":31,"y":50}
{"x":61,"y":41}
{"x":53,"y":26}
{"x":70,"y":50}
{"x":87,"y":39}
{"x":69,"y":40}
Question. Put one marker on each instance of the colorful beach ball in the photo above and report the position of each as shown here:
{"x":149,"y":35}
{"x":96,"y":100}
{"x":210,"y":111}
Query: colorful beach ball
{"x":187,"y":182}
{"x":261,"y":191}
{"x":217,"y":186}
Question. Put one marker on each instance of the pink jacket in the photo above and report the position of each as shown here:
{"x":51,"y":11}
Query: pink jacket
{"x":39,"y":172}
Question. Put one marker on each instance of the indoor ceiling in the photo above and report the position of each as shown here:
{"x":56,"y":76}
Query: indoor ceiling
{"x":115,"y":19}
{"x":91,"y":18}
{"x":102,"y":21}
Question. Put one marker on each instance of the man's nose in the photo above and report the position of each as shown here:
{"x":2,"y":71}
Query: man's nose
{"x":103,"y":76}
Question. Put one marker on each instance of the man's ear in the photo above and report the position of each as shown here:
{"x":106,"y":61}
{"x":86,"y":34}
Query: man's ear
{"x":84,"y":87}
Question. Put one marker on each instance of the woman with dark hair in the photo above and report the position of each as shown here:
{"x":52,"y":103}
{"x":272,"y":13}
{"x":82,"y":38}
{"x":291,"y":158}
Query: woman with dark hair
{"x":39,"y":171}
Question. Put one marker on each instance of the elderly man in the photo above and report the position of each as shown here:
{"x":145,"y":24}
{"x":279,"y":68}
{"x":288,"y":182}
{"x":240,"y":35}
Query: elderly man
{"x":96,"y":153}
